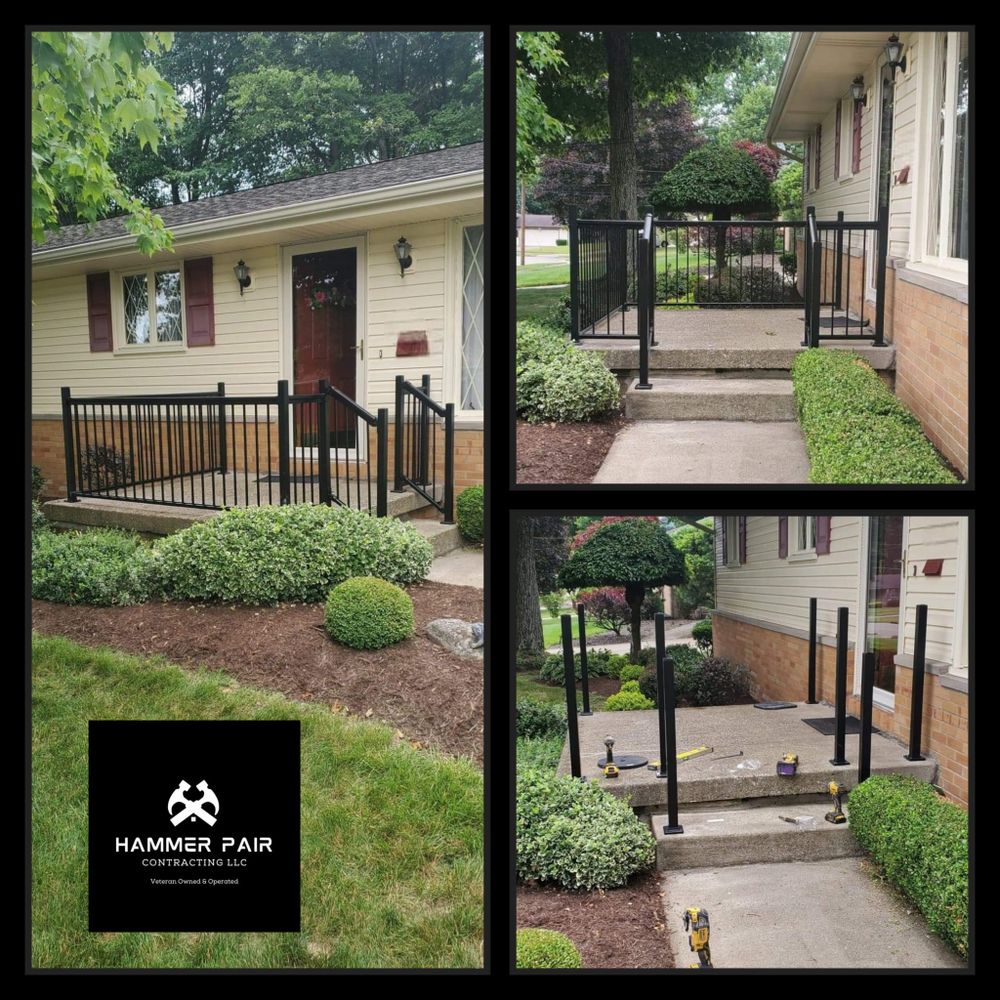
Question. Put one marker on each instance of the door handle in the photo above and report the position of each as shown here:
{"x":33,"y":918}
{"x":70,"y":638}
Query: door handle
{"x":360,"y":347}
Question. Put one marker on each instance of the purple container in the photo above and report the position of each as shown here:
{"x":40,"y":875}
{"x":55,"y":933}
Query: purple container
{"x":786,"y":768}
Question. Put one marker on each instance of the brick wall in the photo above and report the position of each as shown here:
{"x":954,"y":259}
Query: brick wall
{"x":779,"y":664}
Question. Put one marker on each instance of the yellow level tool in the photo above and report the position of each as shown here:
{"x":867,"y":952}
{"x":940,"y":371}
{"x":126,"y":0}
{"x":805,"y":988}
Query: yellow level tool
{"x":654,"y":765}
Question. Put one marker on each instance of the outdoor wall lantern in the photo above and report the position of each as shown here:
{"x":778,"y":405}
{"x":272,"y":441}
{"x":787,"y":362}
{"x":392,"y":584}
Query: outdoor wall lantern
{"x":242,"y":273}
{"x":403,"y":249}
{"x":858,"y":90}
{"x":893,"y":51}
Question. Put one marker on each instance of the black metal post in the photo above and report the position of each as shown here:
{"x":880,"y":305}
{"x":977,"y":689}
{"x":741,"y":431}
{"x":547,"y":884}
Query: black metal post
{"x":574,"y":277}
{"x":284,"y":444}
{"x":223,"y":463}
{"x":666,"y":701}
{"x":397,"y":464}
{"x":881,"y":262}
{"x":813,"y":638}
{"x":917,"y":688}
{"x":448,"y":507}
{"x":584,"y":680}
{"x":816,"y":284}
{"x":839,"y":250}
{"x":840,"y":731}
{"x":807,"y":277}
{"x":382,"y":468}
{"x":323,"y":441}
{"x":425,"y":426}
{"x":67,"y":415}
{"x":865,"y":739}
{"x":574,"y":735}
{"x":652,"y":280}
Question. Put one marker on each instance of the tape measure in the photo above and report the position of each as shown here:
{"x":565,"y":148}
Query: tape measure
{"x":610,"y":771}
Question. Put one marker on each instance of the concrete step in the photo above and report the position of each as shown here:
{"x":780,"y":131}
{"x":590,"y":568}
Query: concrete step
{"x":443,"y":537}
{"x":701,"y":397}
{"x":746,"y":834}
{"x":624,"y":360}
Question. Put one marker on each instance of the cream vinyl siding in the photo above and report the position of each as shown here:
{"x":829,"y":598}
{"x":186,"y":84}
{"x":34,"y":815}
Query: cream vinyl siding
{"x":769,"y":589}
{"x":932,"y":538}
{"x":245,"y":356}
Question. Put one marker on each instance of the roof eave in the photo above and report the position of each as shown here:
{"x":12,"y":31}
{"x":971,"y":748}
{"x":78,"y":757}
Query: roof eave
{"x":798,"y":48}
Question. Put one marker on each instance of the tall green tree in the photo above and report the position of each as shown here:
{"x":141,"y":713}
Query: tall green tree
{"x":537,"y":129}
{"x":89,"y":90}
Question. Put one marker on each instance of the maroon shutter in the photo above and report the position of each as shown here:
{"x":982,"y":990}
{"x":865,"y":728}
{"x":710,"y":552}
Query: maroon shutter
{"x":822,"y":535}
{"x":725,"y":553}
{"x":99,"y":311}
{"x":856,"y":138}
{"x":805,"y":167}
{"x":200,"y":312}
{"x":819,"y":148}
{"x":836,"y":144}
{"x":782,"y":537}
{"x":743,"y":540}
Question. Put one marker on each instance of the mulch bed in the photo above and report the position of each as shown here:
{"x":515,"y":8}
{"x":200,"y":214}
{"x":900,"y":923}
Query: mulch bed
{"x":564,"y":453}
{"x":612,"y":928}
{"x":430,"y":695}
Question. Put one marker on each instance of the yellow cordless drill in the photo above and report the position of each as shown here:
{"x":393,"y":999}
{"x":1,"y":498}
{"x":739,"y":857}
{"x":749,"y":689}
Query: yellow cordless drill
{"x":836,"y":815}
{"x":696,"y":922}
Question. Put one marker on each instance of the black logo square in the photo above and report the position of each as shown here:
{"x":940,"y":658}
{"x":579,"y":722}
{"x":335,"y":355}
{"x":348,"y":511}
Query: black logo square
{"x":194,"y":826}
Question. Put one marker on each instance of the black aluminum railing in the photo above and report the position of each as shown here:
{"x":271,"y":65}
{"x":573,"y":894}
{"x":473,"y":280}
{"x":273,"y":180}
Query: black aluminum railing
{"x":646,"y":312}
{"x":211,"y":451}
{"x":424,"y":446}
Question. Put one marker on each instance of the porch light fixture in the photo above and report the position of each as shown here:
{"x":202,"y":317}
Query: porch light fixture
{"x":403,"y":249}
{"x":858,"y":90}
{"x":242,"y":273}
{"x":893,"y":52}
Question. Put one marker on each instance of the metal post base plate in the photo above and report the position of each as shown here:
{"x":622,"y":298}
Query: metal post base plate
{"x":625,"y":762}
{"x":839,"y":763}
{"x":907,"y":756}
{"x":673,"y":829}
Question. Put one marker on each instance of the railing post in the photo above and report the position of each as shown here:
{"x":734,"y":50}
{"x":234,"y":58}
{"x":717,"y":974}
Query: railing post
{"x":574,"y":277}
{"x":382,"y":473}
{"x":652,"y":280}
{"x":67,"y":415}
{"x":284,"y":444}
{"x":425,"y":424}
{"x":222,"y":429}
{"x":807,"y":340}
{"x":881,"y":263}
{"x":839,"y":250}
{"x":865,"y":739}
{"x":584,"y":679}
{"x":917,"y":687}
{"x":570,"y":671}
{"x":840,"y":729}
{"x":448,"y":507}
{"x":323,"y":441}
{"x":812,"y":652}
{"x":817,"y":290}
{"x":668,"y":730}
{"x":644,"y":301}
{"x":397,"y":464}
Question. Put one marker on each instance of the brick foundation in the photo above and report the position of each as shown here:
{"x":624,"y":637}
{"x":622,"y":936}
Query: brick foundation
{"x":779,"y":664}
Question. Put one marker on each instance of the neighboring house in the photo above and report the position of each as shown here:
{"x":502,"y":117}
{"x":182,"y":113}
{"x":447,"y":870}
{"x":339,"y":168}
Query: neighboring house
{"x":540,"y":230}
{"x":327,"y":299}
{"x":880,"y":568}
{"x":904,"y":143}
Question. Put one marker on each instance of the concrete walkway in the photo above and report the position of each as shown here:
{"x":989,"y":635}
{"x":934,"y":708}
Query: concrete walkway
{"x":706,"y":451}
{"x":672,"y":636}
{"x":802,"y":915}
{"x":461,"y":567}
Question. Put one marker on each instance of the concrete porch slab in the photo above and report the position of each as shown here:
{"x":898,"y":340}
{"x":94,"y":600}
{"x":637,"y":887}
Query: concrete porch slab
{"x":763,"y":736}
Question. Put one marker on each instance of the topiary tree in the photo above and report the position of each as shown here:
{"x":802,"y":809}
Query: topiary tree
{"x":714,"y":178}
{"x":631,"y":553}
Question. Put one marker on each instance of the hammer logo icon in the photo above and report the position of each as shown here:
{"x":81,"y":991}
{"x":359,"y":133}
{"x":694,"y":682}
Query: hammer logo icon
{"x":193,"y":809}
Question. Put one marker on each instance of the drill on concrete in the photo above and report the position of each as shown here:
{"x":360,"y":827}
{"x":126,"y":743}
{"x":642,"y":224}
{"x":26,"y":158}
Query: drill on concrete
{"x":836,"y":815}
{"x":696,"y":922}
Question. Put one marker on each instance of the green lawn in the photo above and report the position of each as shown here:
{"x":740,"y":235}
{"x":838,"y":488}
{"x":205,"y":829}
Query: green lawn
{"x":533,"y":302}
{"x":392,"y":837}
{"x":529,"y":686}
{"x":552,"y":274}
{"x":530,"y":250}
{"x":552,"y":627}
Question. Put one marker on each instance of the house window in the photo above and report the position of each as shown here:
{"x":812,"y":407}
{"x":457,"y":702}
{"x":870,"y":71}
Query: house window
{"x":732,"y":552}
{"x":948,"y":215}
{"x":153,"y":308}
{"x":473,"y":288}
{"x":803,"y":537}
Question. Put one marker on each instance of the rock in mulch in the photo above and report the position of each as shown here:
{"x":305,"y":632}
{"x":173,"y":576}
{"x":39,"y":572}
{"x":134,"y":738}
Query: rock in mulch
{"x":457,"y":636}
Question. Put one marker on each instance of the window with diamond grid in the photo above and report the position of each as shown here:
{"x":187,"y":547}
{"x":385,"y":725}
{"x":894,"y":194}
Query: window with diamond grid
{"x":473,"y":288}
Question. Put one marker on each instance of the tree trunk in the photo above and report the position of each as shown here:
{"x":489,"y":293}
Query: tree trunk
{"x":527,"y":608}
{"x":634,"y":593}
{"x":621,"y":120}
{"x":524,"y":220}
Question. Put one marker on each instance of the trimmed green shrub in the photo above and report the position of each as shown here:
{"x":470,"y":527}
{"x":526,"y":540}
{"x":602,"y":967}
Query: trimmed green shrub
{"x":365,"y":612}
{"x":264,"y":555}
{"x":856,"y":430}
{"x":571,"y":386}
{"x":718,"y":682}
{"x":617,"y":662}
{"x":789,"y":262}
{"x":681,"y":654}
{"x":540,"y":718}
{"x":39,"y":522}
{"x":630,"y":672}
{"x":536,"y":341}
{"x":542,"y":949}
{"x":921,"y":841}
{"x":558,"y":315}
{"x":540,"y":751}
{"x":530,"y":659}
{"x":745,"y":285}
{"x":576,"y":834}
{"x":469,"y":513}
{"x":628,"y":701}
{"x":701,"y":632}
{"x":600,"y":663}
{"x":682,"y":681}
{"x":101,"y":566}
{"x":37,"y":482}
{"x":674,"y":285}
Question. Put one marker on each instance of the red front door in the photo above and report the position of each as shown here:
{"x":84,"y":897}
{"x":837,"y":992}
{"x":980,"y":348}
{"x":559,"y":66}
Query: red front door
{"x":324,"y":332}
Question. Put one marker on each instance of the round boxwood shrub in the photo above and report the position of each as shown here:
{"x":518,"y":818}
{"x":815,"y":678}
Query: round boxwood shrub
{"x":540,"y":718}
{"x":368,"y":613}
{"x":630,"y":672}
{"x":571,"y":385}
{"x":102,"y":566}
{"x":469,"y":513}
{"x":628,"y":700}
{"x":701,"y":632}
{"x":576,"y":834}
{"x":542,"y":949}
{"x":264,"y":555}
